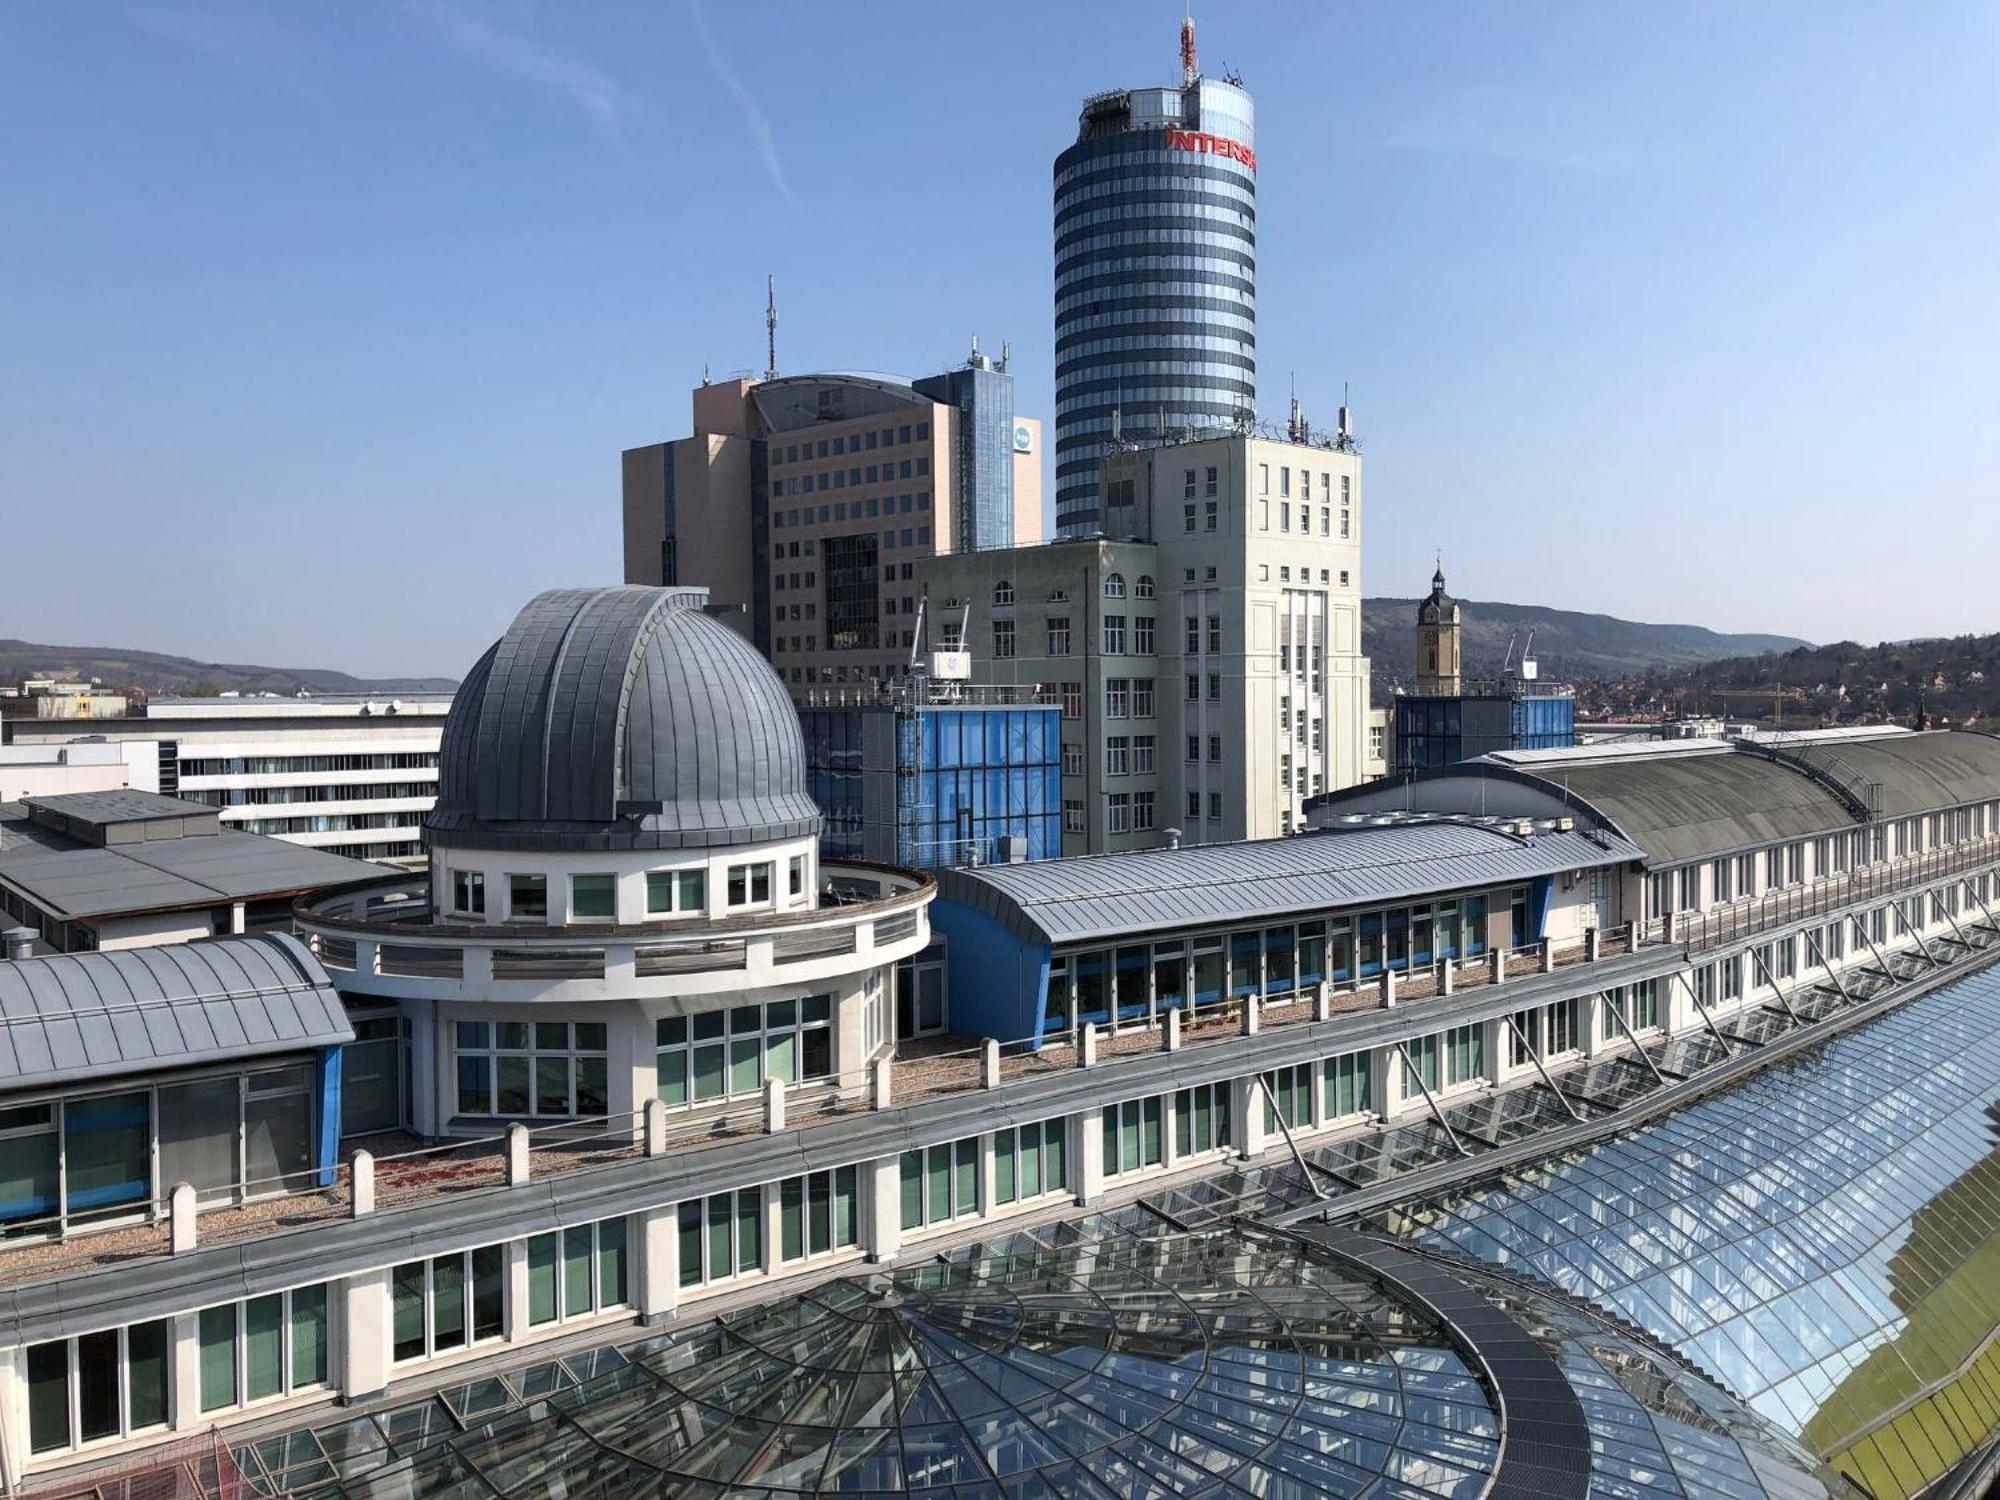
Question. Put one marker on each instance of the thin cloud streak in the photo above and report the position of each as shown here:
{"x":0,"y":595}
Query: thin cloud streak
{"x":240,"y":40}
{"x":760,"y":128}
{"x":588,"y":87}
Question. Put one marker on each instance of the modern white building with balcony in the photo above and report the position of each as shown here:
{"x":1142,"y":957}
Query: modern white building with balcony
{"x":625,"y":898}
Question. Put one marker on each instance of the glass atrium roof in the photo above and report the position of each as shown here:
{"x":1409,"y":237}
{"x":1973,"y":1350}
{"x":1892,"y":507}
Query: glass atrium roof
{"x":1823,"y":1238}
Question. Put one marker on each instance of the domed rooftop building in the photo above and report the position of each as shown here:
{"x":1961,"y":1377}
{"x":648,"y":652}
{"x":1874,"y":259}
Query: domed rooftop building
{"x":625,"y":899}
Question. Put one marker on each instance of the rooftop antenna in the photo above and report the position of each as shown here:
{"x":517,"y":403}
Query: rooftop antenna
{"x":770,"y":328}
{"x":1189,"y":72}
{"x":1006,"y":353}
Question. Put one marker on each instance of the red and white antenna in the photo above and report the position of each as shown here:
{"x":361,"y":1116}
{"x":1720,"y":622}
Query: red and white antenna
{"x":1189,"y":72}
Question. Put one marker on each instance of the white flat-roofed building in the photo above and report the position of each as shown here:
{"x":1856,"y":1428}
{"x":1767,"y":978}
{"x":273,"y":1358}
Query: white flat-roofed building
{"x":351,"y":773}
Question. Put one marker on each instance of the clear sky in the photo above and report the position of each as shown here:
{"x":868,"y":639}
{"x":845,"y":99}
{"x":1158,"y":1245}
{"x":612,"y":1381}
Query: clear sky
{"x":322,"y":326}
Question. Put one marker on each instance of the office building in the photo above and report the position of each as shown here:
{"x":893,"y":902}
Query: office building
{"x":942,"y":774}
{"x":349,"y":773}
{"x":1205,"y":649}
{"x":133,"y":869}
{"x":651,"y":1019}
{"x":804,"y":504}
{"x":1451,"y":717}
{"x":1156,"y":274}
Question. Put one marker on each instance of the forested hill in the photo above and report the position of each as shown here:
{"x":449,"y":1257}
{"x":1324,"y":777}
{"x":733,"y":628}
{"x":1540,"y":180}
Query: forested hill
{"x":1571,"y":646}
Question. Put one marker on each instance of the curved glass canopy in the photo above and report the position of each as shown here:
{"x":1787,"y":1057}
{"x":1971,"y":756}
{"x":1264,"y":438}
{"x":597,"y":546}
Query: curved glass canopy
{"x":1822,"y":1238}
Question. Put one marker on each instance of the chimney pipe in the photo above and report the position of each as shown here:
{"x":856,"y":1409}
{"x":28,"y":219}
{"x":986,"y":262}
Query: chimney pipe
{"x":1172,"y":836}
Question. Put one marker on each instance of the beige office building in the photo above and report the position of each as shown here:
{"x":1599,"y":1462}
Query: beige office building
{"x":806,"y":503}
{"x":1206,"y":650}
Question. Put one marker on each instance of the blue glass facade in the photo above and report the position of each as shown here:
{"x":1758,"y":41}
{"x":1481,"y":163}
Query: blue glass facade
{"x":983,"y":457}
{"x":1433,"y":731}
{"x":935,"y":786}
{"x":1156,"y":276}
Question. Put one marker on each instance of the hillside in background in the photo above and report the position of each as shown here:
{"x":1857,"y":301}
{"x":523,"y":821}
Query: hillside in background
{"x":164,"y":676}
{"x":1570,"y":646}
{"x":1954,"y":680}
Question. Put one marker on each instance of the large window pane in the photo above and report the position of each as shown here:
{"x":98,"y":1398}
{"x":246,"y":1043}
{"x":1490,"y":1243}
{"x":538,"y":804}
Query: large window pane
{"x":48,"y":1396}
{"x":552,"y":1085}
{"x":576,"y":1270}
{"x":513,"y":1085}
{"x":263,"y":1346}
{"x":690,"y":1244}
{"x":489,"y":1291}
{"x":611,"y":1290}
{"x":107,"y":1143}
{"x":198,"y":1125}
{"x":145,"y":1375}
{"x":309,"y":1336}
{"x":447,"y":1302}
{"x":28,"y":1165}
{"x":217,"y":1332}
{"x":277,"y":1129}
{"x":542,"y":1277}
{"x":407,"y":1301}
{"x":97,"y":1382}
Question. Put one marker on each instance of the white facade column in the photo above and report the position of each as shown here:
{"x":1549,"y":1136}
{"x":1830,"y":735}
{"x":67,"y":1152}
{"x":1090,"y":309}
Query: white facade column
{"x":184,"y":1372}
{"x":1385,"y":1081}
{"x":367,"y":1333}
{"x":885,"y":1207}
{"x":659,"y":1263}
{"x":14,"y":1416}
{"x":1246,"y":1106}
{"x":515,"y":1282}
{"x":984,"y":1177}
{"x":1086,"y":1150}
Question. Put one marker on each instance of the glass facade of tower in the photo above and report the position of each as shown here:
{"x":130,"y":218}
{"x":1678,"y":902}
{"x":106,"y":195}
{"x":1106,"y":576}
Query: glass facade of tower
{"x":1156,"y":270}
{"x":983,"y":454}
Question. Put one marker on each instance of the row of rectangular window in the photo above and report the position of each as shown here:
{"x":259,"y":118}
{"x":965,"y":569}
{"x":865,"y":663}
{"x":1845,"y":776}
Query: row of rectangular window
{"x":593,"y":897}
{"x":840,"y":479}
{"x":452,"y":1301}
{"x":885,"y":437}
{"x":728,"y":1054}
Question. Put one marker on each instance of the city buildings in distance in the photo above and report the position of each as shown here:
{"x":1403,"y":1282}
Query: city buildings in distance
{"x":805,"y":503}
{"x":349,"y":773}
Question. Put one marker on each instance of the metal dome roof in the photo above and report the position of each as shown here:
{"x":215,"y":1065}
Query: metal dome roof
{"x":620,"y":718}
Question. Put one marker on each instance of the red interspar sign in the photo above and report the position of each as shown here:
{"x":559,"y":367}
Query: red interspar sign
{"x":1213,"y":145}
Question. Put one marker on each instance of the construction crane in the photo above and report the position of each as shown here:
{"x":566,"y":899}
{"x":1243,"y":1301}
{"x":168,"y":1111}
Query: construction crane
{"x":1777,"y":697}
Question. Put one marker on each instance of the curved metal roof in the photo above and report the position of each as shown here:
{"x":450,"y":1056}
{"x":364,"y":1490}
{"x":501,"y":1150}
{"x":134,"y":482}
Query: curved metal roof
{"x":72,"y":1017}
{"x":1685,"y":807}
{"x":1901,"y":774}
{"x":621,"y":718}
{"x":1103,"y":896}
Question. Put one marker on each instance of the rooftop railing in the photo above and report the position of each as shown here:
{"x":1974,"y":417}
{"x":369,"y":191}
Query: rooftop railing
{"x":1871,"y":883}
{"x":411,"y":1172}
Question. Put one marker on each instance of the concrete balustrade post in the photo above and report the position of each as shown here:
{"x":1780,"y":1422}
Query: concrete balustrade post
{"x":361,"y":1184}
{"x":1386,"y":987}
{"x":1174,"y":1029}
{"x":656,"y":1127}
{"x":989,"y":1064}
{"x":1444,"y":976}
{"x":1593,"y":945}
{"x":1322,"y":1001}
{"x":774,"y":1105}
{"x":1631,"y":937}
{"x":883,"y":1080}
{"x":1548,"y":955}
{"x":517,"y":1155}
{"x":1498,"y":962}
{"x":1086,"y":1047}
{"x":1253,"y":1017}
{"x":181,"y":1213}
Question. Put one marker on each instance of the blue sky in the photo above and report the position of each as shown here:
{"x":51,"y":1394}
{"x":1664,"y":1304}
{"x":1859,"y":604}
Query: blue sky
{"x":324,"y":325}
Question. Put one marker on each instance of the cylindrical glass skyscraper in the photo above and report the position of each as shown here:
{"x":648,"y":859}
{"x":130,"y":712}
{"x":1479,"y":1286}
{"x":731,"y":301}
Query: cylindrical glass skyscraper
{"x":1156,"y":276}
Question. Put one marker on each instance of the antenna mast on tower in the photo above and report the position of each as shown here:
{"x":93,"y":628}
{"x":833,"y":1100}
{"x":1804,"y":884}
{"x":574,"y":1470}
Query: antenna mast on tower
{"x":1189,"y":72}
{"x":770,"y":328}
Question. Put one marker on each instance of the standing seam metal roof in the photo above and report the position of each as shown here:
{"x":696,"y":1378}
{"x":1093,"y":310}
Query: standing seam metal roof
{"x":1115,"y":895}
{"x":75,"y":1017}
{"x":621,"y":718}
{"x":1907,"y":773}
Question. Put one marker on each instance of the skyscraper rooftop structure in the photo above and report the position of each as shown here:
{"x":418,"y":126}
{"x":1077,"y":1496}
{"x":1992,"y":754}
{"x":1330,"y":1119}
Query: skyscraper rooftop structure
{"x":1156,"y":273}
